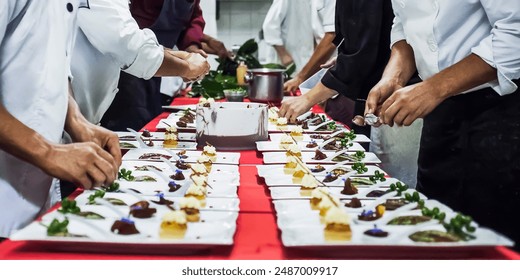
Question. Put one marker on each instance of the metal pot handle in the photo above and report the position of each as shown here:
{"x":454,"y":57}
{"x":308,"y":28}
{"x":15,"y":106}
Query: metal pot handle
{"x":248,"y":77}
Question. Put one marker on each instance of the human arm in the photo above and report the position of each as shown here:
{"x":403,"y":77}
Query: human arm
{"x":85,"y":163}
{"x":320,"y":56}
{"x":213,"y":46}
{"x":407,"y":104}
{"x":296,"y":106}
{"x":190,"y":39}
{"x":272,"y":29}
{"x":398,"y":71}
{"x":189,"y":66}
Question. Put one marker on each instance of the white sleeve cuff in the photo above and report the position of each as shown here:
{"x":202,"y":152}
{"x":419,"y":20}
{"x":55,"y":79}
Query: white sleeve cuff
{"x":149,"y":58}
{"x":329,"y":28}
{"x":504,"y":84}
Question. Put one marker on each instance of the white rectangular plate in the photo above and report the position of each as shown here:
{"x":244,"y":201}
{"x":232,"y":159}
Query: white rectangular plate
{"x":278,"y":170}
{"x":192,"y":156}
{"x":307,"y":157}
{"x":275,"y":137}
{"x":158,"y":145}
{"x":265,"y":146}
{"x":156,"y":136}
{"x":165,"y":123}
{"x":212,"y":203}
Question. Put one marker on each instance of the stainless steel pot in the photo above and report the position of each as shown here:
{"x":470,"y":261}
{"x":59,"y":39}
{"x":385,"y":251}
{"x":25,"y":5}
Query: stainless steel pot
{"x":265,"y":85}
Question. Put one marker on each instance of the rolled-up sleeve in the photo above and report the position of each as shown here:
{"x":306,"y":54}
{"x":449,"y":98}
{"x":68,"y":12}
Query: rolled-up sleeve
{"x":272,"y":26}
{"x":112,"y":30}
{"x":194,"y":32}
{"x":501,"y":49}
{"x":328,"y":16}
{"x":397,"y":34}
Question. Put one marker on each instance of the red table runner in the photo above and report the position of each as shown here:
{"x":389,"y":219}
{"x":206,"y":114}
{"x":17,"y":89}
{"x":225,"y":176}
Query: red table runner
{"x":257,"y":235}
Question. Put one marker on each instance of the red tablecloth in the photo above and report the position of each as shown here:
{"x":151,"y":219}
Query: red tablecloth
{"x":257,"y":235}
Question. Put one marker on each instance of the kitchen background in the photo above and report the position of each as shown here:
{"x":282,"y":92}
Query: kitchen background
{"x":235,"y":21}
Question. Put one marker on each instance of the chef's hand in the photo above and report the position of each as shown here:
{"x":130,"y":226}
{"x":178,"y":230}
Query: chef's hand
{"x":378,"y":95}
{"x":198,"y":67}
{"x":86,"y":164}
{"x":104,"y":138}
{"x":196,"y":49}
{"x":214,"y":46}
{"x":407,"y":104}
{"x":294,"y":107}
{"x":292,"y":84}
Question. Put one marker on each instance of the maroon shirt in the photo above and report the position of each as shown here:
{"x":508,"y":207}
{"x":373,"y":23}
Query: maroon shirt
{"x":146,"y":12}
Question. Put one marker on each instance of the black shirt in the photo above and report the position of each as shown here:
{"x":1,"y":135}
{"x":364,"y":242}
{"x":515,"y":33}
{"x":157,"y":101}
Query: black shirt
{"x":364,"y":27}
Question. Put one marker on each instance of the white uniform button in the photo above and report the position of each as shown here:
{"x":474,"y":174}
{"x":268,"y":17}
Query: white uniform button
{"x":433,"y":47}
{"x":402,"y":4}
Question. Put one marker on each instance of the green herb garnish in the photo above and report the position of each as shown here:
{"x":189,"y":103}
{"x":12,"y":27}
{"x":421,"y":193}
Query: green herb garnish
{"x":69,"y":206}
{"x":399,"y":187}
{"x":125,"y":175}
{"x":114,"y":187}
{"x":351,"y":135}
{"x":96,"y":194}
{"x":57,"y":228}
{"x":378,"y":176}
{"x":359,"y":167}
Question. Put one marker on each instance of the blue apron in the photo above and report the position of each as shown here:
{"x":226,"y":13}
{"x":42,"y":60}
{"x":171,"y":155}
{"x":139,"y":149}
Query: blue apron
{"x":139,"y":101}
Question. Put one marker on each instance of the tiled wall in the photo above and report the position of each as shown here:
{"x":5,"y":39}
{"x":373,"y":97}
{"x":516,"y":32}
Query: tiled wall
{"x":240,"y":20}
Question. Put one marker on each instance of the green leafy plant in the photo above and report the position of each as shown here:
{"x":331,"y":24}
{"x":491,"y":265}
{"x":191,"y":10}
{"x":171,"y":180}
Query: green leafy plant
{"x":214,"y":84}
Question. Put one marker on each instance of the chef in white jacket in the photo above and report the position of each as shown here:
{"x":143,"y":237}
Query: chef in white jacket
{"x":288,"y":28}
{"x":109,"y":40}
{"x":35,"y":45}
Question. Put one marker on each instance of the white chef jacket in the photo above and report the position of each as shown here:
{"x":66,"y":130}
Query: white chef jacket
{"x":322,"y":18}
{"x":109,"y":40}
{"x":287,"y":23}
{"x":35,"y":41}
{"x":443,"y":32}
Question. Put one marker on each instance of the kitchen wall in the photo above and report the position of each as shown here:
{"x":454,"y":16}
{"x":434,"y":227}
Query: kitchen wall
{"x":240,"y":20}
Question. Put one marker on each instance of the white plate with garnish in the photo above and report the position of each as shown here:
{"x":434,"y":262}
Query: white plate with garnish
{"x":318,"y":137}
{"x":163,"y":124}
{"x":99,"y":237}
{"x":188,"y":156}
{"x":155,"y":136}
{"x":206,"y":216}
{"x":230,"y":170}
{"x":308,"y":157}
{"x":154,"y":177}
{"x":264,"y":146}
{"x":279,"y":170}
{"x":124,"y":144}
{"x":287,"y":181}
{"x":313,"y":237}
{"x":211,"y":203}
{"x":223,"y":188}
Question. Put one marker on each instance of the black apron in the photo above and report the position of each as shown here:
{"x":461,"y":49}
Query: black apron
{"x":139,"y":101}
{"x":469,"y":158}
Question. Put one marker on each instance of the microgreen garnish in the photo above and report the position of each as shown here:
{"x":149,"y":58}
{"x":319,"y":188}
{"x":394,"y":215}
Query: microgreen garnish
{"x":125,"y":175}
{"x":114,"y":187}
{"x":57,"y":228}
{"x":69,"y":206}
{"x":359,"y":167}
{"x":97,"y":194}
{"x":378,"y":176}
{"x":399,"y":187}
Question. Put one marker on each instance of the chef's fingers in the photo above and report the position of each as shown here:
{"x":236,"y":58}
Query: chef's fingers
{"x":106,"y":163}
{"x":112,"y":146}
{"x":97,"y":177}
